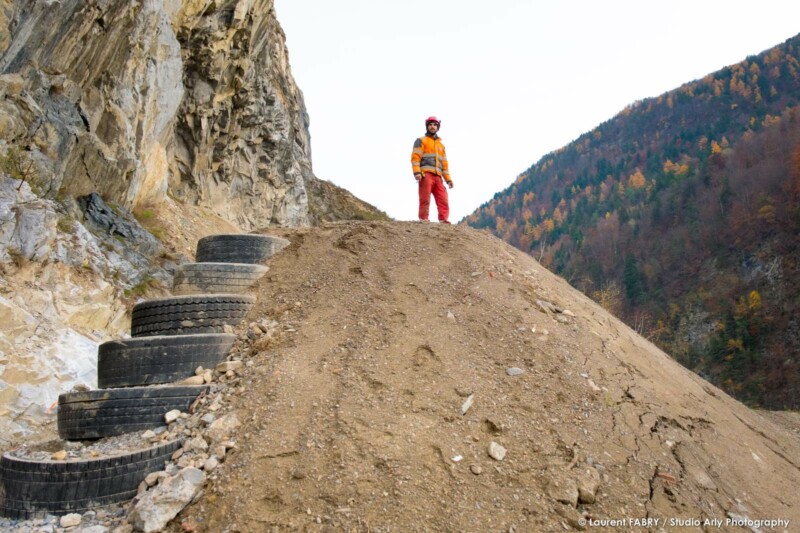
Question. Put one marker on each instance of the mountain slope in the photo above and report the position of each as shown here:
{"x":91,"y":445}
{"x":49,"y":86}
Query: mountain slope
{"x":680,"y":215}
{"x":352,"y":420}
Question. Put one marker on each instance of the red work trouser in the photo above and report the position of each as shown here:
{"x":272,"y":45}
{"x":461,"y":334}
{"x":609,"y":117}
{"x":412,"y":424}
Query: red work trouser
{"x":431,"y":183}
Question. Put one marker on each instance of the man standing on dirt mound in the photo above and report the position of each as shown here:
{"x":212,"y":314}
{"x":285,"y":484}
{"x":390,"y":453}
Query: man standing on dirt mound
{"x":429,"y":163}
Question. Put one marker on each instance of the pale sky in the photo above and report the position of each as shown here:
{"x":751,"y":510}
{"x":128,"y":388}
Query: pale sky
{"x":511,"y":80}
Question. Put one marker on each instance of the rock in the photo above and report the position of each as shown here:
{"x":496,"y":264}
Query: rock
{"x":208,"y":376}
{"x":568,"y":313}
{"x":219,"y":451}
{"x":172,"y":416}
{"x":160,"y":505}
{"x":59,"y":455}
{"x":210,"y":464}
{"x":189,"y":526}
{"x":124,"y":528}
{"x":198,"y":444}
{"x":95,"y":529}
{"x":546,"y":306}
{"x":199,"y":371}
{"x":475,"y":469}
{"x":588,"y":483}
{"x":208,"y":418}
{"x":222,"y":428}
{"x":496,"y":451}
{"x":467,"y":404}
{"x":572,"y":516}
{"x":514,"y":371}
{"x":70,"y":520}
{"x":228,"y":366}
{"x":110,"y":221}
{"x":451,"y":316}
{"x":563,"y":490}
{"x":153,"y":477}
{"x":194,"y":380}
{"x":594,"y":387}
{"x":701,"y":477}
{"x":149,"y":434}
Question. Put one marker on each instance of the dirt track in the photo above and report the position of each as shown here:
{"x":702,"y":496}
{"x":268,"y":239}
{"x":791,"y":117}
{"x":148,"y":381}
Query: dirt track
{"x":352,"y":419}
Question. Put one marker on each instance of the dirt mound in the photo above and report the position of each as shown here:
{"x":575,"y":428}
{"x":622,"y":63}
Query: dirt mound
{"x":352,"y":420}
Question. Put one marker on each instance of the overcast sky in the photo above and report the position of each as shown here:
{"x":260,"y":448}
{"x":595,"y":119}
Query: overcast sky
{"x":511,"y":80}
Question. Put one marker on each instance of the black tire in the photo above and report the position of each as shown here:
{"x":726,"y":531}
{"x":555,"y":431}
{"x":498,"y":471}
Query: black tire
{"x":243,"y":248}
{"x":160,"y":359}
{"x":188,"y":315}
{"x":216,"y":278}
{"x":108,"y":412}
{"x":33,"y":489}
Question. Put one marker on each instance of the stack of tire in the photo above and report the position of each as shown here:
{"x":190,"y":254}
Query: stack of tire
{"x":170,"y":338}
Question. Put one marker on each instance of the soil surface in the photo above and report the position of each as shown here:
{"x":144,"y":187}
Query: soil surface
{"x":354,"y":415}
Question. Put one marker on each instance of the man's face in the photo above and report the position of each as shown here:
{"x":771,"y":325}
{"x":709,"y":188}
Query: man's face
{"x":432,"y":127}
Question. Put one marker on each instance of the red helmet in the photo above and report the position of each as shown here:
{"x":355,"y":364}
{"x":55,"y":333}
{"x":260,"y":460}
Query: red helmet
{"x":433,"y":119}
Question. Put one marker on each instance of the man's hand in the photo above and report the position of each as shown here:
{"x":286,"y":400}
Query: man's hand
{"x":417,"y":177}
{"x":450,"y":184}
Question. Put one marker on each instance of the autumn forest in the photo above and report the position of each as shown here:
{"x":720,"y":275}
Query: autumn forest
{"x":681,"y":215}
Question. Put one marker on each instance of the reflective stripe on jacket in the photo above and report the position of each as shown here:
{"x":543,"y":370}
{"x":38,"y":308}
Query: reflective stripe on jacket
{"x":429,"y":156}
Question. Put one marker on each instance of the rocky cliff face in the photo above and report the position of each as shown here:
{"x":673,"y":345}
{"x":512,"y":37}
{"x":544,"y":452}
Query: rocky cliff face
{"x":137,"y":100}
{"x":183,"y":111}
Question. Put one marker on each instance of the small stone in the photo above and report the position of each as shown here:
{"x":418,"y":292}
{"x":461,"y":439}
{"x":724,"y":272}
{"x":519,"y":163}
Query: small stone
{"x":496,"y":452}
{"x":702,"y":478}
{"x":177,"y":454}
{"x":81,"y":387}
{"x":198,"y":444}
{"x":208,"y":418}
{"x":568,"y":313}
{"x":475,"y":469}
{"x":230,"y":373}
{"x":95,"y":529}
{"x":546,"y":306}
{"x":199,"y":371}
{"x":594,"y":387}
{"x":70,"y":520}
{"x":514,"y":371}
{"x":194,"y":380}
{"x":451,"y":316}
{"x":227,"y":328}
{"x":219,"y":451}
{"x":59,"y":456}
{"x":467,"y":404}
{"x":220,"y":431}
{"x":151,"y":479}
{"x":149,"y":434}
{"x":208,"y":376}
{"x":172,"y":416}
{"x":124,"y":528}
{"x":226,"y":366}
{"x":588,"y":483}
{"x":564,"y":491}
{"x":572,"y":516}
{"x":457,"y":458}
{"x":211,"y":463}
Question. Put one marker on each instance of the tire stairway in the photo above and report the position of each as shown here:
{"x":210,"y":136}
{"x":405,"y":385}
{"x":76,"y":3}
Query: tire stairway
{"x":171,"y":337}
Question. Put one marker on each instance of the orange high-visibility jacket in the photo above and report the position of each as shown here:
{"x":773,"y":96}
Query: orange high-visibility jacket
{"x":429,"y":156}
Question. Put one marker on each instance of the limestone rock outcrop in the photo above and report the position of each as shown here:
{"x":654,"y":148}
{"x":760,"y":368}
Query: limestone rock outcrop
{"x":138,"y":100}
{"x":63,"y":285}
